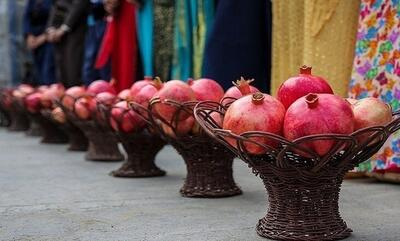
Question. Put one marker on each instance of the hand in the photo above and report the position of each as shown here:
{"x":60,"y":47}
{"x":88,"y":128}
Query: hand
{"x":50,"y":34}
{"x":111,"y":6}
{"x":58,"y":34}
{"x":30,"y":42}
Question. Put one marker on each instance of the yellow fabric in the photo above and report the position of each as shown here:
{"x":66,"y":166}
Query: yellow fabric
{"x":319,"y":33}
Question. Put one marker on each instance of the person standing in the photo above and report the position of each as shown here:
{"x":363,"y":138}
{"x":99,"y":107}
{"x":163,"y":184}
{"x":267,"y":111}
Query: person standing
{"x":35,"y":20}
{"x":67,"y":28}
{"x":96,"y":24}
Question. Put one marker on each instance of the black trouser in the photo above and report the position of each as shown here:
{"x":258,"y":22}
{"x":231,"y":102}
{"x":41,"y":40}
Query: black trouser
{"x":69,"y":57}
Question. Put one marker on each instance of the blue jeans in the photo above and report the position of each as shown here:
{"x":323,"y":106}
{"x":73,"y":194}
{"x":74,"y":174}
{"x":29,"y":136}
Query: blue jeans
{"x":93,"y":39}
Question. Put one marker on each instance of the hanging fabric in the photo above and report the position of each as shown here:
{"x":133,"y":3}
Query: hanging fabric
{"x":238,"y":44}
{"x":320,"y":33}
{"x":145,"y":35}
{"x":163,"y":24}
{"x":120,"y":43}
{"x":376,"y":71}
{"x":182,"y":59}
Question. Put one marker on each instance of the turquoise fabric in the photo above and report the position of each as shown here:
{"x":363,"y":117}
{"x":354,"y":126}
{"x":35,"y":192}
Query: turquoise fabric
{"x":145,"y":35}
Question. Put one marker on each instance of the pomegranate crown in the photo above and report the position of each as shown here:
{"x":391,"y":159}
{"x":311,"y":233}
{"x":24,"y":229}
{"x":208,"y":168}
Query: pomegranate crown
{"x":305,"y":69}
{"x":157,"y":82}
{"x":312,"y":100}
{"x":243,"y":85}
{"x":257,"y":98}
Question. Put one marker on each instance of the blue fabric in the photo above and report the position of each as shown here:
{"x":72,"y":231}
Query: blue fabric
{"x":93,"y":39}
{"x":44,"y":68}
{"x":239,"y":43}
{"x":182,"y":62}
{"x":145,"y":35}
{"x":35,"y":16}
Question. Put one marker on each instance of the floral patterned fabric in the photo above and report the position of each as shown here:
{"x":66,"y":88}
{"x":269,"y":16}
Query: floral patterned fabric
{"x":376,"y":69}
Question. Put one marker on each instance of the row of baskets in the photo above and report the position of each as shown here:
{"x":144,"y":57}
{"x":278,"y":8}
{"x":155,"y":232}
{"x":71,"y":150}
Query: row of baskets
{"x":303,"y":193}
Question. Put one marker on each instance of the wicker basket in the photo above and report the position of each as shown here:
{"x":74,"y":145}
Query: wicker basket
{"x":18,"y":117}
{"x":303,"y":193}
{"x":141,"y":147}
{"x":103,"y":145}
{"x":77,"y":140}
{"x":208,"y":163}
{"x":51,"y":133}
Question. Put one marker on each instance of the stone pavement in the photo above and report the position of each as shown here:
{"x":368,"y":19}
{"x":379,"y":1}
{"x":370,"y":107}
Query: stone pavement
{"x":49,"y":194}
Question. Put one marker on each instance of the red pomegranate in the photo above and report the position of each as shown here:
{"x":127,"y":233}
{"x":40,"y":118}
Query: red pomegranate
{"x":125,"y":95}
{"x":145,"y":94}
{"x":256,"y":112}
{"x":318,"y":114}
{"x":138,"y":85}
{"x":58,"y":115}
{"x":100,"y":86}
{"x":301,"y":85}
{"x":183,"y":127}
{"x":71,"y":95}
{"x":124,"y":119}
{"x":50,"y":95}
{"x":32,"y":102}
{"x":83,"y":107}
{"x":174,"y":90}
{"x":206,"y":89}
{"x":241,"y":88}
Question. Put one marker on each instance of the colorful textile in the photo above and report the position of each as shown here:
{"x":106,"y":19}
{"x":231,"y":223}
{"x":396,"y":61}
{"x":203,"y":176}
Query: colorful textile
{"x":376,"y":69}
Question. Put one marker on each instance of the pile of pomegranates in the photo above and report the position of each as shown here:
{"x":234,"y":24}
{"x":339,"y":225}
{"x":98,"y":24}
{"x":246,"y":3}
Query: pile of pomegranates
{"x":305,"y":105}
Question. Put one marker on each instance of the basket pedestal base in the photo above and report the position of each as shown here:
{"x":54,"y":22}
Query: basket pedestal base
{"x":298,"y":211}
{"x":77,"y":140}
{"x":34,"y":128}
{"x":103,"y":145}
{"x":209,"y":168}
{"x":141,"y":149}
{"x":51,"y":133}
{"x":19,"y":121}
{"x":4,"y":117}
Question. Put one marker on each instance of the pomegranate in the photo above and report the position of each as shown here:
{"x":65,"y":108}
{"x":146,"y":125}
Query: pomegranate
{"x":138,"y":85}
{"x":206,"y":89}
{"x":32,"y":102}
{"x":42,"y":88}
{"x":58,"y":115}
{"x":125,"y":95}
{"x":100,"y":86}
{"x":241,"y":88}
{"x":370,"y":112}
{"x":318,"y":114}
{"x":145,"y":94}
{"x":26,"y":89}
{"x":256,"y":112}
{"x":71,"y":95}
{"x":174,"y":90}
{"x":183,"y":127}
{"x":124,"y":119}
{"x":301,"y":85}
{"x":83,"y":107}
{"x":50,"y":95}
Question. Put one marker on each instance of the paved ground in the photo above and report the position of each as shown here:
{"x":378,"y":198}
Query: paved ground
{"x":47,"y":193}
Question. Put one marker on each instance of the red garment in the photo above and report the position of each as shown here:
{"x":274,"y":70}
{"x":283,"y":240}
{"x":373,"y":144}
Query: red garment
{"x":120,"y":43}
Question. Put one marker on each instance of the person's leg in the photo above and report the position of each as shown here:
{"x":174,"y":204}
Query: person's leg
{"x":47,"y":73}
{"x":60,"y":62}
{"x":89,"y":73}
{"x":74,"y":55}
